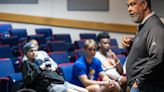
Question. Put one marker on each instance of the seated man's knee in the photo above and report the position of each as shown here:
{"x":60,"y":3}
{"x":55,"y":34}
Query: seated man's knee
{"x":94,"y":88}
{"x":115,"y":88}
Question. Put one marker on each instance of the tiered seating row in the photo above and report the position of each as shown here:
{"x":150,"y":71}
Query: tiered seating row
{"x":59,"y":46}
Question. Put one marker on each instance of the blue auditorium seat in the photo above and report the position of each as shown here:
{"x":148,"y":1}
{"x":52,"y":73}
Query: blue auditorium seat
{"x":79,"y":53}
{"x":122,"y":59}
{"x":79,"y":44}
{"x":5,"y":51}
{"x":113,"y":42}
{"x":20,"y":33}
{"x":116,"y":50}
{"x":47,"y":32}
{"x":63,"y":37}
{"x":88,"y":36}
{"x":60,"y":57}
{"x":57,"y":46}
{"x":4,"y":29}
{"x":66,"y":70}
{"x":8,"y":75}
{"x":67,"y":39}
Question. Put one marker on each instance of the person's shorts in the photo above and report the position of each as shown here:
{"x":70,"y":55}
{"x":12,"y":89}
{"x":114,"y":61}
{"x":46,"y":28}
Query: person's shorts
{"x":57,"y":88}
{"x":113,"y":73}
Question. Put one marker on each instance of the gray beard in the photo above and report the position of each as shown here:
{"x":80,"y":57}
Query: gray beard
{"x":136,"y":19}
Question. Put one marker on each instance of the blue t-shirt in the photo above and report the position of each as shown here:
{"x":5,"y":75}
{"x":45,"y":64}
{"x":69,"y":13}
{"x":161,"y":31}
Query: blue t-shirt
{"x":81,"y":67}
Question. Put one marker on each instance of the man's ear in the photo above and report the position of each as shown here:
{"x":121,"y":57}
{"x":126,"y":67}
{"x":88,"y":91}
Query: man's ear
{"x":145,"y":5}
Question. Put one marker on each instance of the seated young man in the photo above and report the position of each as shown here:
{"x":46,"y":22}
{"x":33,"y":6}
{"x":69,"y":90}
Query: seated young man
{"x":33,"y":68}
{"x":87,"y":69}
{"x":41,"y":54}
{"x":110,"y":63}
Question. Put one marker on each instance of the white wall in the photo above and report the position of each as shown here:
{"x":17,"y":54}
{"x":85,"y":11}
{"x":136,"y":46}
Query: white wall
{"x":58,"y":8}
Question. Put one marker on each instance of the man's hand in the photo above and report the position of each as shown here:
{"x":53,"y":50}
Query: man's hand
{"x":43,"y":66}
{"x":135,"y":85}
{"x":111,"y":83}
{"x":126,"y":42}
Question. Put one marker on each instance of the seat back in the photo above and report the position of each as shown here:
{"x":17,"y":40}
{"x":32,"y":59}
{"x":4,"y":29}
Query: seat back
{"x":5,"y":51}
{"x":7,"y":71}
{"x":79,"y":44}
{"x":19,"y":32}
{"x":60,"y":57}
{"x":5,"y":28}
{"x":79,"y":53}
{"x":57,"y":46}
{"x":88,"y":36}
{"x":66,"y":70}
{"x":6,"y":66}
{"x":113,"y":42}
{"x":122,"y":59}
{"x":12,"y":41}
{"x":63,"y":37}
{"x":47,"y":32}
{"x":116,"y":50}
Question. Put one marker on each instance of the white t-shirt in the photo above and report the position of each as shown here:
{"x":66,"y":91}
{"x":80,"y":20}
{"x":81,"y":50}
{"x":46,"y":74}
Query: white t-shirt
{"x":109,"y":70}
{"x":102,"y":59}
{"x":42,"y":55}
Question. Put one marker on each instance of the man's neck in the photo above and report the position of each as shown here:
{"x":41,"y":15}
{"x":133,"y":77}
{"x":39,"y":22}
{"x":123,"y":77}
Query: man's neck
{"x":31,"y":60}
{"x":147,"y":16}
{"x":103,"y":52}
{"x":89,"y":60}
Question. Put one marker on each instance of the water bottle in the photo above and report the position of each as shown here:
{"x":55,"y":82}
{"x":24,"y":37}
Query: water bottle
{"x":7,"y":35}
{"x":47,"y":62}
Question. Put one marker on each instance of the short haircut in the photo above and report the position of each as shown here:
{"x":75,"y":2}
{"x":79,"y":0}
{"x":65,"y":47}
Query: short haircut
{"x":28,"y":46}
{"x":148,"y":2}
{"x":103,"y":35}
{"x":90,"y":42}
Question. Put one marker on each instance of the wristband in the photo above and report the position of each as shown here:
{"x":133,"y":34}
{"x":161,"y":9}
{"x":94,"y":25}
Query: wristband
{"x":118,"y":61}
{"x":137,"y":82}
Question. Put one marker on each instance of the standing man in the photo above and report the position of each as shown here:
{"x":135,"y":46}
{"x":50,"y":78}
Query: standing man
{"x":87,"y":69}
{"x":145,"y":62}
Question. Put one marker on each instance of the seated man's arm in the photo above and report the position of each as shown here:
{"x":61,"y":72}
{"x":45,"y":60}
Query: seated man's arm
{"x":87,"y":82}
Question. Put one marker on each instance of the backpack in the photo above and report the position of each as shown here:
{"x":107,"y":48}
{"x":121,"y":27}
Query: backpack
{"x":48,"y":77}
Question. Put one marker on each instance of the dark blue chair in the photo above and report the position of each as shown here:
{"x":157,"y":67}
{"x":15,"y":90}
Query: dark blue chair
{"x":4,"y":29}
{"x":79,"y":53}
{"x":79,"y":44}
{"x":47,"y":32}
{"x":113,"y":42}
{"x":7,"y":73}
{"x":88,"y":36}
{"x":122,"y":59}
{"x":66,"y":71}
{"x":20,"y":33}
{"x":66,"y":38}
{"x":116,"y":50}
{"x":63,"y":37}
{"x":5,"y":51}
{"x":12,"y":40}
{"x":57,"y":46}
{"x":60,"y":57}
